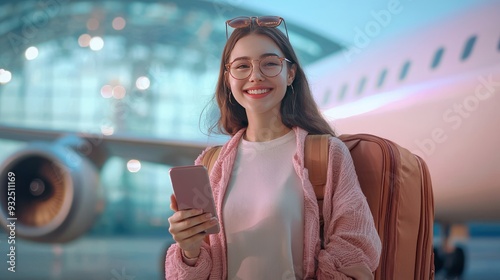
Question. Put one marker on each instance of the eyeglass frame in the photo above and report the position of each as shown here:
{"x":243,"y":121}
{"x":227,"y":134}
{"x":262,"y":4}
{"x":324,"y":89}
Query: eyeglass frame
{"x":281,"y":58}
{"x":258,"y":22}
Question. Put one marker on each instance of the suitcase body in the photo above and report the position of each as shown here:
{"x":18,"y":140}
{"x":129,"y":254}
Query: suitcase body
{"x":398,"y":188}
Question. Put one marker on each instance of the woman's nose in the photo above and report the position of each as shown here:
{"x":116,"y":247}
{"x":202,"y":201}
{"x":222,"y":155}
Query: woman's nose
{"x":256,"y":74}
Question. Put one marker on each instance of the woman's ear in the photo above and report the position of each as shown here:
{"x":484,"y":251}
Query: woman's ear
{"x":291,"y":74}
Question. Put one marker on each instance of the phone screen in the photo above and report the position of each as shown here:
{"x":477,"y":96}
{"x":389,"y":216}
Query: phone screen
{"x":192,"y":189}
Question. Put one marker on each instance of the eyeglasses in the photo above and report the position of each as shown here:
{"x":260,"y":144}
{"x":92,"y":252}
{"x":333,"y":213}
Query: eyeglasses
{"x":270,"y":66}
{"x":262,"y":21}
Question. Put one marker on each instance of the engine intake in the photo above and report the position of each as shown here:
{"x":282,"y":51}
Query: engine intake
{"x":57,"y":192}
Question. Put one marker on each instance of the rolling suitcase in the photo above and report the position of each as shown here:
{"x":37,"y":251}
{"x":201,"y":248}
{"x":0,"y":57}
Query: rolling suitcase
{"x":398,"y":188}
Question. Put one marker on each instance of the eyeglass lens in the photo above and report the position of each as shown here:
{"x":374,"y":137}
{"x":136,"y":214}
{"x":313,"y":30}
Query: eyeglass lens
{"x":269,"y":66}
{"x":269,"y":21}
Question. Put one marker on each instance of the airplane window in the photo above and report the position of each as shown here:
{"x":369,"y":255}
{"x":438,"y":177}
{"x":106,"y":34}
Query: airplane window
{"x":437,"y":58}
{"x":342,"y":92}
{"x":468,"y":47}
{"x":404,"y":70}
{"x":361,"y":86}
{"x":381,"y":78}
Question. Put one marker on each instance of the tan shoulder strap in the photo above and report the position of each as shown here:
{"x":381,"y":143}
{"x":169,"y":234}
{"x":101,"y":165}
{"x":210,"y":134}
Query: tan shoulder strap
{"x":208,"y":161}
{"x":316,"y":161}
{"x":210,"y":157}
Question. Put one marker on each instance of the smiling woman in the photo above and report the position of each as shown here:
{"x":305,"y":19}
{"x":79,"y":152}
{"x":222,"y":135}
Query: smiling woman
{"x":269,"y":217}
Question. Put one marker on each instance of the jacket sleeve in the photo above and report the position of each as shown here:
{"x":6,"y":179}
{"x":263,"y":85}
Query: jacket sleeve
{"x":175,"y":268}
{"x":352,"y":245}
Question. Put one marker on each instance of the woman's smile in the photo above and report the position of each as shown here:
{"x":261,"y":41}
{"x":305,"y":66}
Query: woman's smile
{"x":258,"y":92}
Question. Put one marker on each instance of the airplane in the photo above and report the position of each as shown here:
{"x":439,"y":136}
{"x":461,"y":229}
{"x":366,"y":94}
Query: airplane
{"x":433,"y":91}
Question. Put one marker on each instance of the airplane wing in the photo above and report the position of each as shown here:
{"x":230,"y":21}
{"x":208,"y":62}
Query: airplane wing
{"x":149,"y":149}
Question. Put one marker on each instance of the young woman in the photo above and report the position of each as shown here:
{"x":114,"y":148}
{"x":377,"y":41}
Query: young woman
{"x":267,"y":209}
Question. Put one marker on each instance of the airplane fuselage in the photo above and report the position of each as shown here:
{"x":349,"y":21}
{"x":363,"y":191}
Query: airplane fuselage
{"x":436,"y":92}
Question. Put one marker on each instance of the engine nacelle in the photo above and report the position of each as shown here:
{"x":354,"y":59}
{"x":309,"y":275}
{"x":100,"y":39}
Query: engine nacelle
{"x":54,"y":190}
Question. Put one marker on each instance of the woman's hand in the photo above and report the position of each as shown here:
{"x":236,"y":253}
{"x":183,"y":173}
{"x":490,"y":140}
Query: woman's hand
{"x":188,"y":228}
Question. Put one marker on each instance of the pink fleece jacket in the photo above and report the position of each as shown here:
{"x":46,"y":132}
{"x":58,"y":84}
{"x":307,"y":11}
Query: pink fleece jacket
{"x":351,"y":239}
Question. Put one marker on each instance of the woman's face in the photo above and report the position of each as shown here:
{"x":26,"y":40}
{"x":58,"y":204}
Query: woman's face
{"x":260,"y":95}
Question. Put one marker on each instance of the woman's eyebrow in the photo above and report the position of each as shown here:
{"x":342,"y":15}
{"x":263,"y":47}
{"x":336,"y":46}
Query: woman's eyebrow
{"x":269,"y":54}
{"x":242,"y":57}
{"x":261,"y":56}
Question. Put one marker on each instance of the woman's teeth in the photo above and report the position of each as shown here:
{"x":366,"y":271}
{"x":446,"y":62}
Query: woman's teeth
{"x":258,"y":91}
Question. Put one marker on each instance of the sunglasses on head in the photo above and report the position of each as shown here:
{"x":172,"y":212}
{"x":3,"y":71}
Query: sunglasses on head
{"x":262,"y":21}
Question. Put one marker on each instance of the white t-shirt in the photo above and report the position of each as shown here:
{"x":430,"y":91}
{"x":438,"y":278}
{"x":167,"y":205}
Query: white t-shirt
{"x":263,"y":212}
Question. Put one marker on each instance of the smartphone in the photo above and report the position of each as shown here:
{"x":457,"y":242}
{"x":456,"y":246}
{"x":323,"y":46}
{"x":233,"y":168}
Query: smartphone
{"x":192,"y":189}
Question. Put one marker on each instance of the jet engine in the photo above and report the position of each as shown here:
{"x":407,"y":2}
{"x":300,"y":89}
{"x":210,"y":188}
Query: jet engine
{"x":50,"y":191}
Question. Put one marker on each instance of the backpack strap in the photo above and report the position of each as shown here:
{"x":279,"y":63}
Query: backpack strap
{"x":208,"y":161}
{"x":210,"y":157}
{"x":316,"y":161}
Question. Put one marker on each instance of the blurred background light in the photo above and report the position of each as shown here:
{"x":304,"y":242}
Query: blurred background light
{"x":96,"y":43}
{"x":84,"y":40}
{"x":31,"y":53}
{"x":119,"y":92}
{"x":118,"y":23}
{"x":5,"y":76}
{"x":133,"y":165}
{"x":107,"y":91}
{"x":107,"y":130}
{"x":142,"y":83}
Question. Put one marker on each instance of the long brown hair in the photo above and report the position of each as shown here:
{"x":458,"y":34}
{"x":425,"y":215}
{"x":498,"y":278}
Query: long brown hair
{"x":297,"y":107}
